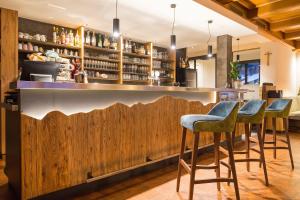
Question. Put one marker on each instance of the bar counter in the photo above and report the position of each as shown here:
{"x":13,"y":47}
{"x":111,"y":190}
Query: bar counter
{"x":67,"y":134}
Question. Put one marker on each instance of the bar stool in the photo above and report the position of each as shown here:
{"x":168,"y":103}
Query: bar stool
{"x":279,"y":109}
{"x":221,"y":118}
{"x":252,"y":113}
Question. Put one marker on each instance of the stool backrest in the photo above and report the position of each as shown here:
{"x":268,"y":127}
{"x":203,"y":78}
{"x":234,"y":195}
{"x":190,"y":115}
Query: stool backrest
{"x":255,"y":108}
{"x":282,"y":105}
{"x":228,"y":110}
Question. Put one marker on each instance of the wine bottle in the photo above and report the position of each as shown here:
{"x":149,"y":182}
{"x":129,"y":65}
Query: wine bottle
{"x":54,"y":34}
{"x":93,"y":40}
{"x":87,"y":38}
{"x":67,"y":42}
{"x":63,"y":36}
{"x":99,"y":44}
{"x":77,"y":39}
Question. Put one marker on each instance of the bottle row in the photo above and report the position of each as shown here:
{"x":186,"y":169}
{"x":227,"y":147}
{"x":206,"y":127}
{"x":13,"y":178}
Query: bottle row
{"x":134,"y":77}
{"x":135,"y":60}
{"x":98,"y":64}
{"x":65,"y":37}
{"x":160,"y":55}
{"x":100,"y":40}
{"x":135,"y":69}
{"x":102,"y":55}
{"x":30,"y":47}
{"x":134,"y":47}
{"x":95,"y":74}
{"x":159,"y":64}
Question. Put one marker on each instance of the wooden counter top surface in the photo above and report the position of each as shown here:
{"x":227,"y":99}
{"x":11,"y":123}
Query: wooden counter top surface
{"x":30,"y":85}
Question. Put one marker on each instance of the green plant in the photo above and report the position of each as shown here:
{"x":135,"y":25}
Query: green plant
{"x":234,"y":73}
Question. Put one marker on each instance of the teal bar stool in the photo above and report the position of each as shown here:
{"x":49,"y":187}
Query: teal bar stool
{"x":220,"y":119}
{"x":279,"y":109}
{"x":252,"y":114}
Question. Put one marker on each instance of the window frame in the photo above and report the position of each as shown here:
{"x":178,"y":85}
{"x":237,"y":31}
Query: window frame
{"x":246,"y":63}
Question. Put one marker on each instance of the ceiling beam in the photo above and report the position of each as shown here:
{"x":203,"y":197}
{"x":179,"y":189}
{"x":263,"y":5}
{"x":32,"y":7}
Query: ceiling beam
{"x":245,"y":22}
{"x":278,"y":7}
{"x":260,"y":3}
{"x":290,"y":24}
{"x":292,"y":36}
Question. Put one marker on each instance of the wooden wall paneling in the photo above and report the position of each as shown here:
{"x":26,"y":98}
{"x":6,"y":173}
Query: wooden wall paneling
{"x":9,"y":58}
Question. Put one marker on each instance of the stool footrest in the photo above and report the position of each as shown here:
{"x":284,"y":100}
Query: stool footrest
{"x":223,"y":150}
{"x":205,"y":166}
{"x":284,"y":141}
{"x":254,"y":140}
{"x":185,"y":166}
{"x":269,"y":142}
{"x":255,"y":150}
{"x":247,"y":160}
{"x":214,"y":180}
{"x":240,"y":152}
{"x":276,"y":148}
{"x":225,"y":164}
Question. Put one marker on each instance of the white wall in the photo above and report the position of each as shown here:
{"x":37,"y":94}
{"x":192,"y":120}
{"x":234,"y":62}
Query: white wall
{"x":206,"y":70}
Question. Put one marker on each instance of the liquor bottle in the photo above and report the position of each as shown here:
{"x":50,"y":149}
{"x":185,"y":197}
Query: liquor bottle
{"x":114,"y":44}
{"x":133,"y":47}
{"x":126,"y":45}
{"x":67,"y":42}
{"x":54,"y":35}
{"x":87,"y":38}
{"x":99,"y":44}
{"x":106,"y":43}
{"x":94,"y":40}
{"x":129,"y":46}
{"x":71,"y":38}
{"x":77,"y":39}
{"x":63,"y":36}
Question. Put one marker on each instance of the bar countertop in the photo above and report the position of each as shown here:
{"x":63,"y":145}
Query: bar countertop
{"x":30,"y":85}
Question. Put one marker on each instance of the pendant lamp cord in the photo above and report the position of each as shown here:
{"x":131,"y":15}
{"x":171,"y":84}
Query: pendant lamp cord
{"x":173,"y":21}
{"x":116,"y":8}
{"x":238,"y":40}
{"x":208,"y":33}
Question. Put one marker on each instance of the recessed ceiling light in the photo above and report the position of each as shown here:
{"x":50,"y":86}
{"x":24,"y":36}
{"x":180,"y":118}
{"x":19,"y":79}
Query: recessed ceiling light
{"x":56,"y":6}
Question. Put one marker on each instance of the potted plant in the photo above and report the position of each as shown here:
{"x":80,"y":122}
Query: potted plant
{"x":235,"y":75}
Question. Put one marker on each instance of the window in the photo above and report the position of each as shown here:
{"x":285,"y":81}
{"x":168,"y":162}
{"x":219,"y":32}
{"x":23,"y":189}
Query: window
{"x":250,"y":71}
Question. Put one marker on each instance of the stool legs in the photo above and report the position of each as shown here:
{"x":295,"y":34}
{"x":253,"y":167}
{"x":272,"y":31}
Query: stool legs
{"x":193,"y":164}
{"x":247,"y":138}
{"x":232,"y":165}
{"x":217,"y":138}
{"x":181,"y":157}
{"x":262,"y":154}
{"x":274,"y":136}
{"x":286,"y":129}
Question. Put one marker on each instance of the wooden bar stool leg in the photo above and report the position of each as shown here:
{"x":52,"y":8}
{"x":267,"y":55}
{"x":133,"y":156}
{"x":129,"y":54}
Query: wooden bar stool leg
{"x":217,"y":138}
{"x":193,"y":164}
{"x":263,"y":135}
{"x":262,"y":154}
{"x":232,"y":164}
{"x":181,"y":157}
{"x":247,"y":135}
{"x":274,"y":137}
{"x":286,"y":129}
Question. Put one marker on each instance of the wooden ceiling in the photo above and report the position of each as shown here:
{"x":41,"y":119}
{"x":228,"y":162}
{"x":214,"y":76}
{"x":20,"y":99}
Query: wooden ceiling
{"x":280,"y":18}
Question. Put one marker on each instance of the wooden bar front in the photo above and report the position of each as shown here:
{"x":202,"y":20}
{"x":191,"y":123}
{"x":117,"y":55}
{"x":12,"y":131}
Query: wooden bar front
{"x":59,"y":151}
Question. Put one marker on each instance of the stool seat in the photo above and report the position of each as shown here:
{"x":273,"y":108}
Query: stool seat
{"x":193,"y":121}
{"x":252,"y":112}
{"x":279,"y":108}
{"x":219,"y":119}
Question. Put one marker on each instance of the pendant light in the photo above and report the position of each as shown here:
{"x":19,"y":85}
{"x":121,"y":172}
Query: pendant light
{"x":209,"y":48}
{"x":173,"y":37}
{"x":116,"y":23}
{"x":238,"y":49}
